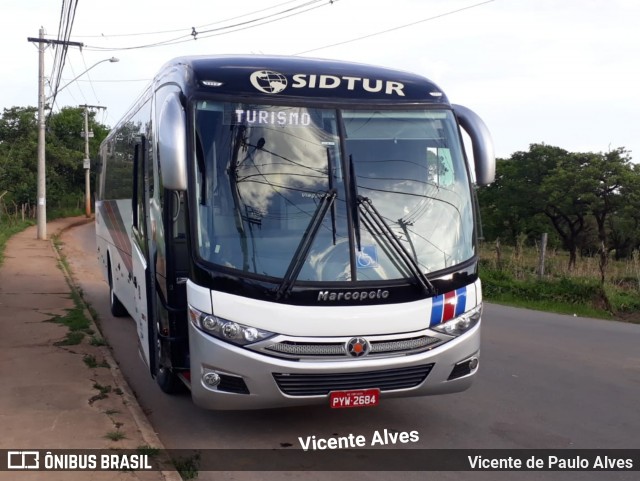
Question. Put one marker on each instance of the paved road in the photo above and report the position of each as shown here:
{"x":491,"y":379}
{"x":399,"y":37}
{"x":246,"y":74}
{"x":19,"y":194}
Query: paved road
{"x":546,"y":381}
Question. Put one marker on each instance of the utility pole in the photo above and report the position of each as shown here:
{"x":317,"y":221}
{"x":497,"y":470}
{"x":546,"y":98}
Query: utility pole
{"x":42,"y":180}
{"x":87,"y":161}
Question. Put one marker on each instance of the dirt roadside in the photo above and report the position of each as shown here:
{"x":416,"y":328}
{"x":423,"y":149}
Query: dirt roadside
{"x":60,"y":391}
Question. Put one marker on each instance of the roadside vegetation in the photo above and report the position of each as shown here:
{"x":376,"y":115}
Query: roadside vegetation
{"x":64,"y":166}
{"x":513,"y":280}
{"x":588,"y":204}
{"x":77,"y":322}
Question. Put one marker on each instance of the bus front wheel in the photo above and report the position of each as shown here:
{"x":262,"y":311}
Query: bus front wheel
{"x":166,"y":378}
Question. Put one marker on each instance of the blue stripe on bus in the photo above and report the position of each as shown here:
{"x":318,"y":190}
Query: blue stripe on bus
{"x":437,"y":306}
{"x":461,"y":297}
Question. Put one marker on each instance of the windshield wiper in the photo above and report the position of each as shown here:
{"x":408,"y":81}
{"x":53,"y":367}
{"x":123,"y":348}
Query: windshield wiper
{"x":353,"y":194}
{"x":305,"y":244}
{"x":377,"y":225}
{"x":331,"y":187}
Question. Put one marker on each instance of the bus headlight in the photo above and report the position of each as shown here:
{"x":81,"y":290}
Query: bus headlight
{"x":227,"y":330}
{"x":460,"y":324}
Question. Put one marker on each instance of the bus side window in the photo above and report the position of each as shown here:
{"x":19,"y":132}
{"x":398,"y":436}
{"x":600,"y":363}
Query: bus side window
{"x":137,"y":199}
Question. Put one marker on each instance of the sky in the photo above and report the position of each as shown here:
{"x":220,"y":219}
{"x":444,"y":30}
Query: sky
{"x":561,"y":72}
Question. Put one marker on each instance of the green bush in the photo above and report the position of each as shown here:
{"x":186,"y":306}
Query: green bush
{"x":564,"y":294}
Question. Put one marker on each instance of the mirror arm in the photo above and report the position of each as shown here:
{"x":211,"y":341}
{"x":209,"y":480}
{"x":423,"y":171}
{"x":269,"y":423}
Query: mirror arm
{"x":483,"y":155}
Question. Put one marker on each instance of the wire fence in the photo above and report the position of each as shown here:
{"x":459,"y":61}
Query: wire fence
{"x":11,"y":212}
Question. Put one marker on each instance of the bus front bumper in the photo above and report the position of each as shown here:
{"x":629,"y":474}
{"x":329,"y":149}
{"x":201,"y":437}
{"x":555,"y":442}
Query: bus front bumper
{"x":247,"y":379}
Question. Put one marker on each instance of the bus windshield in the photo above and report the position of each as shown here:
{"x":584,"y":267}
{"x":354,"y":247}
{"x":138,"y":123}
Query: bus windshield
{"x":341,"y":194}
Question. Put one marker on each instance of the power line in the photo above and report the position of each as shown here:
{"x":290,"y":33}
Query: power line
{"x":195,"y":35}
{"x":330,"y":2}
{"x":89,"y":77}
{"x":58,"y":62}
{"x":73,"y":72}
{"x":186,"y":28}
{"x":311,"y":2}
{"x":396,"y":28}
{"x":67,"y":20}
{"x":114,"y":80}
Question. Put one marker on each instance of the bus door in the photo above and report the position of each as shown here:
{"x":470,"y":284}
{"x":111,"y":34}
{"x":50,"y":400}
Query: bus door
{"x":140,"y":249}
{"x":171,"y":283}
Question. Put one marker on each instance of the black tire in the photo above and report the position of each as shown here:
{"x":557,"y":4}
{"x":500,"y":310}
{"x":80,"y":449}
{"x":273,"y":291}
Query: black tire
{"x":117,"y":308}
{"x":166,"y":378}
{"x":168,"y":381}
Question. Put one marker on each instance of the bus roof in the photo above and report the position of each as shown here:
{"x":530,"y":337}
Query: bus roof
{"x":296,"y":78}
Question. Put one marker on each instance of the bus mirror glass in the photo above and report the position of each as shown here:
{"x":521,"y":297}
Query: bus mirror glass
{"x":172,"y":144}
{"x":483,"y":157}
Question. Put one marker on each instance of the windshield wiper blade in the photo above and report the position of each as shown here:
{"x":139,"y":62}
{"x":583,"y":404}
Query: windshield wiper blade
{"x":331,"y":187}
{"x":378,"y":225}
{"x":353,"y":191}
{"x":305,"y":244}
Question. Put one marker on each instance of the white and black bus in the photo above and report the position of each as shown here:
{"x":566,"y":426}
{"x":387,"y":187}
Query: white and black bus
{"x":289,"y":231}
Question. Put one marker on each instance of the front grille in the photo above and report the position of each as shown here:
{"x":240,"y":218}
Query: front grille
{"x":322,"y":384}
{"x":308,"y":348}
{"x":401,"y":345}
{"x":323,"y":349}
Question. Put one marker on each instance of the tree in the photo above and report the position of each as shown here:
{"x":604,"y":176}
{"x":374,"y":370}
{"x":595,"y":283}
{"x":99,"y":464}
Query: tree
{"x":18,"y":153}
{"x":582,"y":195}
{"x":64,"y":151}
{"x":624,"y":223}
{"x":607,"y":177}
{"x":514,"y":203}
{"x":564,"y":203}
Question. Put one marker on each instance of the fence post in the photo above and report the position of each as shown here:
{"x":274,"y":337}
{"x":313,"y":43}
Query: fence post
{"x":543,"y":253}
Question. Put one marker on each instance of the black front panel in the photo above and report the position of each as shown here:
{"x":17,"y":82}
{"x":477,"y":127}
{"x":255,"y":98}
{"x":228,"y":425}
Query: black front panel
{"x":322,"y":384}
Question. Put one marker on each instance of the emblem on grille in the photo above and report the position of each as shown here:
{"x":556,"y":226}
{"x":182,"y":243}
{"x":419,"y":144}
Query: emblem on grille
{"x":358,"y":347}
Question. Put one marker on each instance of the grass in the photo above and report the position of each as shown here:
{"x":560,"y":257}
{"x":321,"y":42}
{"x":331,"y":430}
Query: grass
{"x":97,"y":341}
{"x":75,"y":319}
{"x":148,"y":450}
{"x":187,"y":466}
{"x":102,"y":389}
{"x":512,"y":279}
{"x":91,"y":361}
{"x":115,"y":435}
{"x":73,"y":338}
{"x":61,"y":212}
{"x":77,"y":322}
{"x":10,"y":224}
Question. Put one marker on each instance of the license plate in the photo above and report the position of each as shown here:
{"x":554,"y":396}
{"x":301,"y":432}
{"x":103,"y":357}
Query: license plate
{"x":354,"y":399}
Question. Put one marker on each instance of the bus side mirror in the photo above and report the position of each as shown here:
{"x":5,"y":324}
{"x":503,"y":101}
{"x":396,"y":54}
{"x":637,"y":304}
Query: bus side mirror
{"x":483,"y":156}
{"x":172,"y":144}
